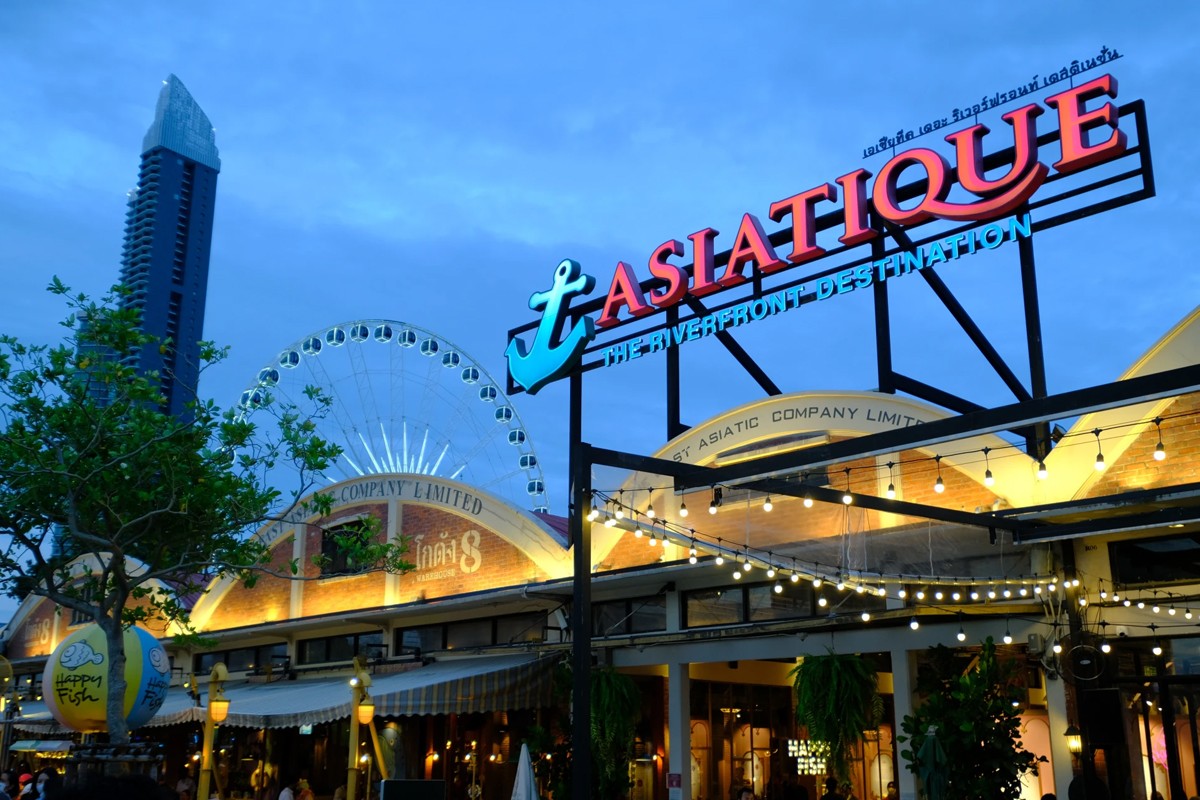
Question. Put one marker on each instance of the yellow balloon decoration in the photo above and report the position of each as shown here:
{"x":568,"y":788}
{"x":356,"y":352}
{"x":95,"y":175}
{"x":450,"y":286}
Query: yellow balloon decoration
{"x":75,"y":683}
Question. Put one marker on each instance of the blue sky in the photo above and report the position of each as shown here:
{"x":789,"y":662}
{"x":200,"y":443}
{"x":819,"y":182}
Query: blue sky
{"x":433,"y":162}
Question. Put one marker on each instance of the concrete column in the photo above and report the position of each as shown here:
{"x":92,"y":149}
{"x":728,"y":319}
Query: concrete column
{"x":902,"y":688}
{"x":679,"y":725}
{"x":391,"y":581}
{"x":1062,"y":764}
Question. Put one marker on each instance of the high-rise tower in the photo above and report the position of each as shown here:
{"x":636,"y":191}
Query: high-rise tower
{"x":168,"y":235}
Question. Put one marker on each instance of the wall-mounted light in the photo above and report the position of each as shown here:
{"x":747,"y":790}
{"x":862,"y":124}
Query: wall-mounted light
{"x":1074,"y":740}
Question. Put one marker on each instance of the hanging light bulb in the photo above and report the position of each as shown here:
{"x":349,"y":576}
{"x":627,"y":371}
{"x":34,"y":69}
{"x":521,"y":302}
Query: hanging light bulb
{"x":619,"y":513}
{"x":822,"y":602}
{"x":1099,"y":452}
{"x":914,"y":624}
{"x":1007,"y":634}
{"x":866,"y":616}
{"x":1159,"y":451}
{"x":961,"y":635}
{"x":737,"y":574}
{"x":1105,"y":647}
{"x":974,"y":594}
{"x":938,"y":485}
{"x":891,"y":490}
{"x":610,"y":522}
{"x":847,"y":498}
{"x":920,"y":594}
{"x":955,"y":596}
{"x":771,"y":571}
{"x":692,"y":552}
{"x":653,"y":540}
{"x":1057,"y":648}
{"x":719,"y":560}
{"x":903,"y":593}
{"x":816,"y":582}
{"x":683,"y":512}
{"x":716,"y":500}
{"x":988,"y":480}
{"x":768,"y":505}
{"x":1187,"y":613}
{"x":778,"y":587}
{"x":860,"y":588}
{"x":808,"y":501}
{"x":1157,"y":649}
{"x":1042,"y":472}
{"x":595,"y":512}
{"x":938,"y":595}
{"x":795,"y":577}
{"x":746,"y":564}
{"x":638,"y":532}
{"x":649,"y":504}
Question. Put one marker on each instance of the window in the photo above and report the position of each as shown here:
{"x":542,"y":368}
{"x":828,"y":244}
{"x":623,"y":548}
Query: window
{"x":242,"y":659}
{"x":342,"y":648}
{"x":623,"y":617}
{"x":766,"y":605}
{"x":714,"y":607}
{"x":334,"y":558}
{"x":463,"y":634}
{"x":1163,"y":559}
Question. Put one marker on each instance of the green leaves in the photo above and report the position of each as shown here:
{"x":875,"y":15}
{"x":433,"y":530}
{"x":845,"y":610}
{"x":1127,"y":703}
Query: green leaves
{"x":978,"y":700}
{"x":837,"y":700}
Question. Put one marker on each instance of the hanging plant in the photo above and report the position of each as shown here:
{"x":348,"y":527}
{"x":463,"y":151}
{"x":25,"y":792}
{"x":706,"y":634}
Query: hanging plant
{"x":837,"y":700}
{"x":616,"y":706}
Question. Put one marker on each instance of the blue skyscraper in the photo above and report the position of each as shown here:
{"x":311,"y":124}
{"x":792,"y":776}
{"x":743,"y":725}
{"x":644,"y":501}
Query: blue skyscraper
{"x":168,"y":236}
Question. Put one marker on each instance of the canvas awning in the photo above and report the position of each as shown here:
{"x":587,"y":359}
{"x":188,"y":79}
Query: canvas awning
{"x":459,"y":686}
{"x":41,"y":746}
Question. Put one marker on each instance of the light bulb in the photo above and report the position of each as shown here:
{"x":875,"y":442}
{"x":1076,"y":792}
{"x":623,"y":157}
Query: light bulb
{"x":720,"y":559}
{"x":1057,"y":647}
{"x":822,"y":602}
{"x":747,"y":565}
{"x":866,"y":616}
{"x":891,"y":491}
{"x":938,"y":486}
{"x":1105,"y":647}
{"x":1042,"y":472}
{"x":737,"y":575}
{"x":650,"y":511}
{"x":767,"y":504}
{"x":938,"y":595}
{"x":692,"y":556}
{"x":795,"y":578}
{"x":988,"y":480}
{"x":595,"y":512}
{"x":610,"y":522}
{"x":653,"y":540}
{"x":712,"y":507}
{"x":847,"y":499}
{"x":816,"y":582}
{"x":620,"y":512}
{"x":1157,"y":649}
{"x":902,"y":594}
{"x":639,"y":533}
{"x":1159,"y":452}
{"x":961,"y":635}
{"x":914,"y":624}
{"x":683,"y":512}
{"x":860,"y":588}
{"x":778,"y":588}
{"x":920,"y":594}
{"x":770,"y":572}
{"x":1099,"y":462}
{"x":808,"y":501}
{"x":1007,"y":638}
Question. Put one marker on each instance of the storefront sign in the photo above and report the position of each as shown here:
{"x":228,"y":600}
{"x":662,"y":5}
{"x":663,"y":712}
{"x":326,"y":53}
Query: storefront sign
{"x":1089,"y":134}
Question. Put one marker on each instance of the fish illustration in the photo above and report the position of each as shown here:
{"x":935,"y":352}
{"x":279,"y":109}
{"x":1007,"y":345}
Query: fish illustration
{"x":158,"y":660}
{"x":78,"y":654}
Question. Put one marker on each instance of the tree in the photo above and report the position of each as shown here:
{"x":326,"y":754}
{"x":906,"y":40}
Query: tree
{"x":837,"y":699}
{"x":117,"y":510}
{"x":975,"y":716}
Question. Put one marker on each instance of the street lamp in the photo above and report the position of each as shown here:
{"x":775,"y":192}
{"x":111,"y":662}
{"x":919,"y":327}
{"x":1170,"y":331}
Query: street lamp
{"x":215,"y":714}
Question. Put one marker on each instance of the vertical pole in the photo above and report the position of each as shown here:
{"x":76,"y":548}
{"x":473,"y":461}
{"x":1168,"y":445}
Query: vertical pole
{"x":679,"y":724}
{"x":1040,"y":441}
{"x":352,"y":766}
{"x":883,"y":327}
{"x":206,"y":755}
{"x":1061,"y":760}
{"x":1170,"y":740}
{"x":902,"y":697}
{"x":674,"y":425}
{"x":581,"y":601}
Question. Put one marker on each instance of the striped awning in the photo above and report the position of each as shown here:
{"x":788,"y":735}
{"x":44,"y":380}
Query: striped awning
{"x":457,"y":686}
{"x":468,"y":685}
{"x":41,"y":746}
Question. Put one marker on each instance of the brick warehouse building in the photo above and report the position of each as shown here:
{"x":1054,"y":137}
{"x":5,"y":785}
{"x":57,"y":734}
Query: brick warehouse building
{"x":462,"y":649}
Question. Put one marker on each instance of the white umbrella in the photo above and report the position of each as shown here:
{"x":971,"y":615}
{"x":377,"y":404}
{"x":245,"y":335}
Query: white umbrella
{"x":526,"y":786}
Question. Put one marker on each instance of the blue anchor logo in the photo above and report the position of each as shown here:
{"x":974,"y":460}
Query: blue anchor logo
{"x":546,"y":361}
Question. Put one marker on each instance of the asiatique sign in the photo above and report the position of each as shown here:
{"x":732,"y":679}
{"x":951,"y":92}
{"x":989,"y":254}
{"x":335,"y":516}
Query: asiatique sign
{"x":1089,"y":134}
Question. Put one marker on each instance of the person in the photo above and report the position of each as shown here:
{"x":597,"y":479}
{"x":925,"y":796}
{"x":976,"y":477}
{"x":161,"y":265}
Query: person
{"x":831,"y":790}
{"x":745,"y":793}
{"x":185,"y":787}
{"x":286,"y":792}
{"x":26,"y":781}
{"x":848,"y":791}
{"x":1049,"y":796}
{"x":894,"y":794}
{"x":303,"y":792}
{"x":339,"y":793}
{"x":48,"y":785}
{"x":7,"y":787}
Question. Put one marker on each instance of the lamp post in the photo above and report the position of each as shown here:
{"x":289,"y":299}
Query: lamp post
{"x":362,"y":711}
{"x":217,"y":711}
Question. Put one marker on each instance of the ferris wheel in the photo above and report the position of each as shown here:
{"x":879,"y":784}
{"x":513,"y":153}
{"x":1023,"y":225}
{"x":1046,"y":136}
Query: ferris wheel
{"x":403,"y":400}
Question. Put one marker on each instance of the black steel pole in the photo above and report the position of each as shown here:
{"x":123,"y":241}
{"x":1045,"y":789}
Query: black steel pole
{"x":1033,"y":338}
{"x":581,"y":602}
